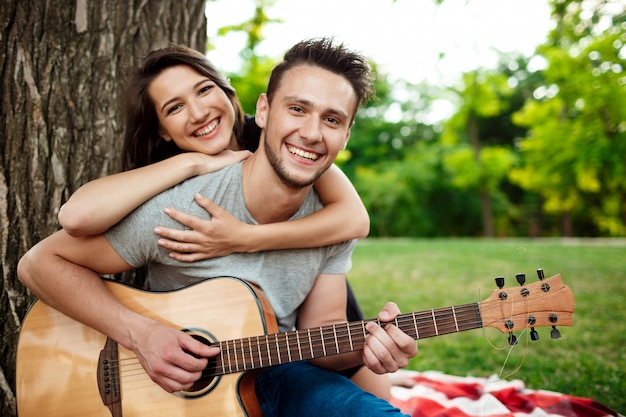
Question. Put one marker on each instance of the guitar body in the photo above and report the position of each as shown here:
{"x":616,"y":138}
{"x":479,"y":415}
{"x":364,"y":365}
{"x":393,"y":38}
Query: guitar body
{"x":57,"y":357}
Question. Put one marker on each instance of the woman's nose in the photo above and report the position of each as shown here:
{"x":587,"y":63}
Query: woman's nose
{"x":196,"y":111}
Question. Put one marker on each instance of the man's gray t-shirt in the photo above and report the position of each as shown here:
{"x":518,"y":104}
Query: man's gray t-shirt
{"x":285,"y":276}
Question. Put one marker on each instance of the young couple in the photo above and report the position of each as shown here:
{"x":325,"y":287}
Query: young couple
{"x":238,"y":221}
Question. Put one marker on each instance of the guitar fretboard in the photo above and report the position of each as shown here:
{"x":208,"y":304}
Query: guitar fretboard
{"x":274,"y":349}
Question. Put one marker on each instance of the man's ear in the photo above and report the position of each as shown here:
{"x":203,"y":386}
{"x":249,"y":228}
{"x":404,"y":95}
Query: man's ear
{"x":346,"y":139}
{"x":262,"y":109}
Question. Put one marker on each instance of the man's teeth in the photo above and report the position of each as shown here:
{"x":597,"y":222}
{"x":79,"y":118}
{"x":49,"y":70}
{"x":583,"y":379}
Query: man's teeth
{"x":210,"y":128}
{"x":303,"y":154}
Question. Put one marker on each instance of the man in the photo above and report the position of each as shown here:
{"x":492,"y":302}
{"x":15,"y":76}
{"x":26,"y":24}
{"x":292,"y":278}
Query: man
{"x":305,"y":117}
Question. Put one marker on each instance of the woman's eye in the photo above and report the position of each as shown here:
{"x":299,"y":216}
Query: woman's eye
{"x":206,"y":89}
{"x":173,"y":109}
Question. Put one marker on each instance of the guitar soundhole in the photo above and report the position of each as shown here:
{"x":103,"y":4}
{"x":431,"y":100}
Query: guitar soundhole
{"x":208,"y":381}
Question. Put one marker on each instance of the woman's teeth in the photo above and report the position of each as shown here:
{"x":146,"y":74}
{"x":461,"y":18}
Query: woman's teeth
{"x":210,"y":128}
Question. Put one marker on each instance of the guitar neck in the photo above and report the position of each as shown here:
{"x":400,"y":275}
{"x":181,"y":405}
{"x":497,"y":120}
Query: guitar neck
{"x":279,"y":348}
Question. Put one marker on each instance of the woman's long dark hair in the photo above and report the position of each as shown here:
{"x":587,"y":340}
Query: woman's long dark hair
{"x":143,"y":144}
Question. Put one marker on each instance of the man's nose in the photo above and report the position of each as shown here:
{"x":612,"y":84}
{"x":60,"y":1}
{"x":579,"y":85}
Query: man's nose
{"x":311,"y":129}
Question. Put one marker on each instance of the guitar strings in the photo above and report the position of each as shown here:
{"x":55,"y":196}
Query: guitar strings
{"x":525,"y":334}
{"x":331,"y":340}
{"x":239,"y":355}
{"x":340,"y":338}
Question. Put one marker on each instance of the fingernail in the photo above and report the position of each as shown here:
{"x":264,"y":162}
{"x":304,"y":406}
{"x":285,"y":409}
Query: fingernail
{"x":167,"y":210}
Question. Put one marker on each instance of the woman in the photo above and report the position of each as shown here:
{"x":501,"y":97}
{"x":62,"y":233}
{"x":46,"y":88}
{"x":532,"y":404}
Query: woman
{"x":184,"y":119}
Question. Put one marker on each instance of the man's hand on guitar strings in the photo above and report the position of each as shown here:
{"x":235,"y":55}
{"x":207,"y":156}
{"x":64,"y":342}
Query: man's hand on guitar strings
{"x":172,"y":359}
{"x":387,"y":348}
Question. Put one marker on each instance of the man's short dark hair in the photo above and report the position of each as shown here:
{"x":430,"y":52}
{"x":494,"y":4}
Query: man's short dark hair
{"x":333,"y":57}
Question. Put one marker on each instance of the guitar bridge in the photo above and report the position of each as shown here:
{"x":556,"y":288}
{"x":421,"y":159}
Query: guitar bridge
{"x":109,"y":378}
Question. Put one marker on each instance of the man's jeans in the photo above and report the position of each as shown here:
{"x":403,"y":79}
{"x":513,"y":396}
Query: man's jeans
{"x":302,"y":389}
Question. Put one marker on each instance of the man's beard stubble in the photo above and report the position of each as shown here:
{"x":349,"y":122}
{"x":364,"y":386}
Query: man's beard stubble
{"x":280,"y":170}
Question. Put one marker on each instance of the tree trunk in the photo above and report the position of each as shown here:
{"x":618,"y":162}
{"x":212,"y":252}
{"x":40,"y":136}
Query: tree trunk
{"x":63,"y":70}
{"x":483,"y":191}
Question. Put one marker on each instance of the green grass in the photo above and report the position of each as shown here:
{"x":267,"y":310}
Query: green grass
{"x":589,"y":360}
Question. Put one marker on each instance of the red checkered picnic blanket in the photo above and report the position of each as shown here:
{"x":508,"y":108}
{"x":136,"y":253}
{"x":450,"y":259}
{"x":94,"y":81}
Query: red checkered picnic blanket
{"x":440,"y":395}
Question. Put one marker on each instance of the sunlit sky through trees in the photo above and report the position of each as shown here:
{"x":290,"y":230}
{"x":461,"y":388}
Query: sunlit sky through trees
{"x":413,"y":40}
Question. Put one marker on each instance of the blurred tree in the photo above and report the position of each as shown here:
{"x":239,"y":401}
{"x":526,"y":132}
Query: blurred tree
{"x":383,"y":158}
{"x":251,"y":80}
{"x":472,"y":162}
{"x":575,"y":154}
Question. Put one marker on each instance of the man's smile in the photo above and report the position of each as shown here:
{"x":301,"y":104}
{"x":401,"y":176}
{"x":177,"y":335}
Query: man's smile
{"x":312,"y":156}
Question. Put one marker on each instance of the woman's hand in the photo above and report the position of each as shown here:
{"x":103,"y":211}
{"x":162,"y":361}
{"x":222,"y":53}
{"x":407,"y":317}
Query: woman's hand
{"x":210,"y":163}
{"x":220,"y":236}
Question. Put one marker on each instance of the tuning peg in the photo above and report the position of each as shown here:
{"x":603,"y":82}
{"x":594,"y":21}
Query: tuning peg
{"x":533,"y":334}
{"x":500,"y":282}
{"x":540,"y":274}
{"x":555,"y":333}
{"x":521,"y":278}
{"x":512,"y":339}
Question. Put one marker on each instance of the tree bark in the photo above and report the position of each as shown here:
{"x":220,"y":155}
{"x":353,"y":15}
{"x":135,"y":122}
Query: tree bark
{"x":63,"y":69}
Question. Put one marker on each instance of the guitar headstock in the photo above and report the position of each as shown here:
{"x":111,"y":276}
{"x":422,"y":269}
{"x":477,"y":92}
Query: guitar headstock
{"x":547,"y":302}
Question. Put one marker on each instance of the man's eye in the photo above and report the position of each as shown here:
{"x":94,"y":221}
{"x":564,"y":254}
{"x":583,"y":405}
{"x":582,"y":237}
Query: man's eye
{"x":296,"y":109}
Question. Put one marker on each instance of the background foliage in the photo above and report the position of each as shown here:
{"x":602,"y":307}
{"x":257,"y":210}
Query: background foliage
{"x":526,"y":152}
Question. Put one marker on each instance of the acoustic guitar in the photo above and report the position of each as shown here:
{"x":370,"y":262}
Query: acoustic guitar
{"x":66,"y":369}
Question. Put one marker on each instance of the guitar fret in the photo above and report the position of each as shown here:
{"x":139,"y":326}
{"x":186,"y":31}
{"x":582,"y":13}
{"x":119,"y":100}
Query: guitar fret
{"x":435,"y":323}
{"x":456,"y":324}
{"x":417,"y":333}
{"x":230,"y":366}
{"x":288,"y":347}
{"x":322,"y":340}
{"x":238,"y":362}
{"x":336,"y":341}
{"x":243,"y":356}
{"x":222,"y":358}
{"x":267,"y":345}
{"x":235,"y":360}
{"x":280,"y":359}
{"x":299,"y":346}
{"x":251,"y":355}
{"x":350,"y":338}
{"x":258,"y":346}
{"x":310,"y":343}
